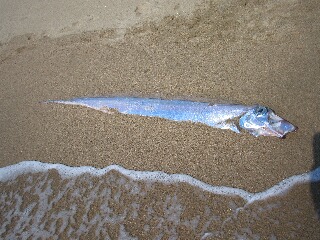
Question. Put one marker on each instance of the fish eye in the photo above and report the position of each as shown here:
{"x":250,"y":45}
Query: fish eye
{"x":261,"y":110}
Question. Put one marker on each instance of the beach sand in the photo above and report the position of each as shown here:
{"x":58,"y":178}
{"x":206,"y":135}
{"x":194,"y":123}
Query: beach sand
{"x":264,"y":52}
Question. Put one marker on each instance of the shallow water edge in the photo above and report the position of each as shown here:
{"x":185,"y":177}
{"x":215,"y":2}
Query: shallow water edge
{"x":42,"y":199}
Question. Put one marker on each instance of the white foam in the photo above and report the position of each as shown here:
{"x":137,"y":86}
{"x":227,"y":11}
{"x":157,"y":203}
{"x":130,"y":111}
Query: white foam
{"x":13,"y":171}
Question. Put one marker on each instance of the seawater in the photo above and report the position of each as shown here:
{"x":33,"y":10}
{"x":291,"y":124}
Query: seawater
{"x":41,"y":200}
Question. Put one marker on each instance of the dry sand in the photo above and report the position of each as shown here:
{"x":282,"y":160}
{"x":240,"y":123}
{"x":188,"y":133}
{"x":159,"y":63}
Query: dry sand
{"x":263,"y":52}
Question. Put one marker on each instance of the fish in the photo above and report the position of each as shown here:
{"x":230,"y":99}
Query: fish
{"x":258,"y":120}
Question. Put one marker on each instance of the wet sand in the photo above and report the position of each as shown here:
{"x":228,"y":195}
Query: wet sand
{"x":260,"y":52}
{"x":114,"y":206}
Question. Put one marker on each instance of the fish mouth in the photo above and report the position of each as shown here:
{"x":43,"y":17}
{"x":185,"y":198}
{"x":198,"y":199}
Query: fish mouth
{"x":262,"y":121}
{"x":278,"y":129}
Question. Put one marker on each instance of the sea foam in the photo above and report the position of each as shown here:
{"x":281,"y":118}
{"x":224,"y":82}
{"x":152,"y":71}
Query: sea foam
{"x":50,"y":200}
{"x":13,"y":171}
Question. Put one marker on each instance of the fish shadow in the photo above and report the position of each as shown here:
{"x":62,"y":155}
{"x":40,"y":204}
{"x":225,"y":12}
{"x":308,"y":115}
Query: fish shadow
{"x":315,"y":174}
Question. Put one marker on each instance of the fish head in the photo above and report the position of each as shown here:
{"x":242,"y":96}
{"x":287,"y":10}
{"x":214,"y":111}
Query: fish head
{"x":262,"y":121}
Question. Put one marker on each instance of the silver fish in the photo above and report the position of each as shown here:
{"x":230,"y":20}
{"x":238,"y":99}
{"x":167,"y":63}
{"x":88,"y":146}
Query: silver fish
{"x":257,"y":120}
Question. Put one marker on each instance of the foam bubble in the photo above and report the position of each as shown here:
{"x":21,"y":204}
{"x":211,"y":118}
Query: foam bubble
{"x":13,"y":171}
{"x":73,"y":201}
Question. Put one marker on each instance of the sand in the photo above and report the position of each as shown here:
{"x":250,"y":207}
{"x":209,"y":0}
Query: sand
{"x":259,"y":52}
{"x":59,"y":18}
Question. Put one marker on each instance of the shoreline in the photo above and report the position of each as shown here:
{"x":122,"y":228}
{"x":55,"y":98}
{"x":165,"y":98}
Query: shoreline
{"x":222,"y":50}
{"x":152,"y":61}
{"x":127,"y":196}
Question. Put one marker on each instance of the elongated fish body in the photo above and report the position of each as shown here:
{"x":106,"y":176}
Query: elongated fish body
{"x":222,"y":116}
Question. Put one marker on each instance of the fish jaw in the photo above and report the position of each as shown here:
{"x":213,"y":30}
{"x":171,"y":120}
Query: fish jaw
{"x":262,"y":121}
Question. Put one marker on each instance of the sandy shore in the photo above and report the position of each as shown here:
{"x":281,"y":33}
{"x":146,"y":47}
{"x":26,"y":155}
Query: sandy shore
{"x":221,"y":51}
{"x":201,"y":57}
{"x":59,"y":18}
